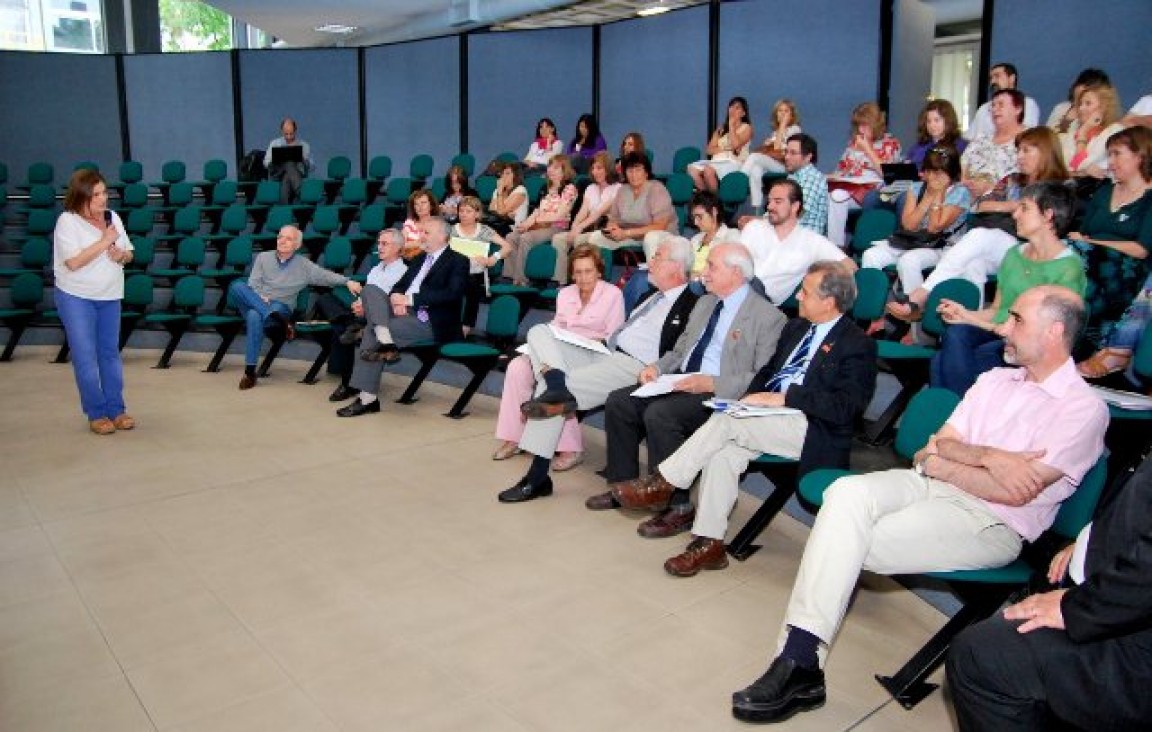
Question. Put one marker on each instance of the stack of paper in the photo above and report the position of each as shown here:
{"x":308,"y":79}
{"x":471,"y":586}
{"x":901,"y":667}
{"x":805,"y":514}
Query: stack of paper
{"x":1124,"y":399}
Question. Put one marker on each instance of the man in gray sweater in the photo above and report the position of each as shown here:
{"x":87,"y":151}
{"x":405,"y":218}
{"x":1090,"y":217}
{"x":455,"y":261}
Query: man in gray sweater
{"x":267,"y":299}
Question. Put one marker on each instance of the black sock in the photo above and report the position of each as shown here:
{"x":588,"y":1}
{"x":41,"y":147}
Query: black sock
{"x":250,"y":370}
{"x":801,"y":647}
{"x":555,"y":380}
{"x":680,"y":497}
{"x":538,"y":471}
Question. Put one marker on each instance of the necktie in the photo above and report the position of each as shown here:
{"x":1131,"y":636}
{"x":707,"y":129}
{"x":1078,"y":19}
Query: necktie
{"x":795,"y":364}
{"x":636,"y":315}
{"x":418,"y":280}
{"x":697,"y":356}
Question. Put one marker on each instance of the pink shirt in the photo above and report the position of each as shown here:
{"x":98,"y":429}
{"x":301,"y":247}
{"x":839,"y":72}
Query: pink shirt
{"x":1060,"y":415}
{"x":599,"y":319}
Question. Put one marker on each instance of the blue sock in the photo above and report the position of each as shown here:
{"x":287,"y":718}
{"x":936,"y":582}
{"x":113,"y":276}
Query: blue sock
{"x":556,"y":380}
{"x":801,"y":647}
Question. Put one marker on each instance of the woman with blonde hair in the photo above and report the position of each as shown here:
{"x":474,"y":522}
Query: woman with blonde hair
{"x":1098,"y":113}
{"x":770,"y":157}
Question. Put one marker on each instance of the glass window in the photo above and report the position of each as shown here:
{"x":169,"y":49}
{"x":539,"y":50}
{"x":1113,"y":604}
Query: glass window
{"x":72,"y":26}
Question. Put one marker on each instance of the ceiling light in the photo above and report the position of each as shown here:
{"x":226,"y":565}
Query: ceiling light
{"x":337,"y":28}
{"x":653,"y":8}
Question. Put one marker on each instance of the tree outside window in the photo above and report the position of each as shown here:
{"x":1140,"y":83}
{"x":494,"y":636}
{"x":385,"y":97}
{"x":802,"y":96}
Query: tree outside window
{"x":190,"y":25}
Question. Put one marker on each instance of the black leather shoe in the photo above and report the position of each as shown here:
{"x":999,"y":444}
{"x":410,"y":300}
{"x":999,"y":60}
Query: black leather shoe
{"x":525,"y":491}
{"x":351,"y":336}
{"x":356,"y":408}
{"x":783,"y":690}
{"x":343,"y":393}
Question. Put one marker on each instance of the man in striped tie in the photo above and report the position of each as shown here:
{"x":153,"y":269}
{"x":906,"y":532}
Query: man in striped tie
{"x":824,"y":370}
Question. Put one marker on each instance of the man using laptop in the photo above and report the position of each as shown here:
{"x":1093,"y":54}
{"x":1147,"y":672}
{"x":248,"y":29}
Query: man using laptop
{"x":288,"y":160}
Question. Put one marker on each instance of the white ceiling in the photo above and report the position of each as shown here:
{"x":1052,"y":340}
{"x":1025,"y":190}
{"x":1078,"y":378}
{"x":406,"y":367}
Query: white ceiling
{"x":390,"y":21}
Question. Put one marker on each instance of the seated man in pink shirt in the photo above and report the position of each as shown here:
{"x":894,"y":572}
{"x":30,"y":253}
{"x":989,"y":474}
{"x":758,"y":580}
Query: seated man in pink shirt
{"x":992,"y":478}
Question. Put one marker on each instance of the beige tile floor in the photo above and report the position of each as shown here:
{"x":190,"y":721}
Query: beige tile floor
{"x":247,"y":561}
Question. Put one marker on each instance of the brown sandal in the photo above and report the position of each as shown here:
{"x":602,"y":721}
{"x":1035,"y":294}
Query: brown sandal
{"x":914,"y":315}
{"x":1103,"y":362}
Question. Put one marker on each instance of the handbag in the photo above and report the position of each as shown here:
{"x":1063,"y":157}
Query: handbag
{"x":906,"y":239}
{"x":1000,"y":220}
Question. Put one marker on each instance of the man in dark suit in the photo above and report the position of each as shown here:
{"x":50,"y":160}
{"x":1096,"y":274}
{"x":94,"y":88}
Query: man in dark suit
{"x":824,"y":368}
{"x":572,"y":377}
{"x":1082,"y":654}
{"x":732,"y":332}
{"x":425,"y":305}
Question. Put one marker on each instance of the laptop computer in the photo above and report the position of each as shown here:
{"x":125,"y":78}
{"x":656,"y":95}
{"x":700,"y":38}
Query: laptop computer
{"x":287,"y":154}
{"x":899,"y":171}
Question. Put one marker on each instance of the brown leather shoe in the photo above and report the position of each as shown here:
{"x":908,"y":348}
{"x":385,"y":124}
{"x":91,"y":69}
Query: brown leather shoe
{"x":651,"y":492}
{"x":247,"y":382}
{"x":124,"y":422}
{"x":669,"y":522}
{"x":702,"y":553}
{"x":601,"y":502}
{"x":102,"y":426}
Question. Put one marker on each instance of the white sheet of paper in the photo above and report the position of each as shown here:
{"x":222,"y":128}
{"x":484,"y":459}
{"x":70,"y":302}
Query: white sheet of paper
{"x":740,"y":410}
{"x":1124,"y":399}
{"x":567,"y":336}
{"x":469,"y":247}
{"x":661,"y":385}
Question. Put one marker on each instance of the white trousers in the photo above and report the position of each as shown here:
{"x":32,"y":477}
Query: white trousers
{"x":755,"y":167}
{"x":722,"y":449}
{"x":974,"y":257}
{"x":910,"y":263}
{"x":840,"y":202}
{"x":889,"y":522}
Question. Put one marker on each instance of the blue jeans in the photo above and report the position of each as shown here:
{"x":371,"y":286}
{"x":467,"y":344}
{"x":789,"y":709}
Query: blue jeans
{"x":93,"y":331}
{"x":965,"y":352}
{"x":1127,"y":332}
{"x":255,"y":312}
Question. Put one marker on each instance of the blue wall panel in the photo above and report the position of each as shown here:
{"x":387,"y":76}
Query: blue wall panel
{"x":180,"y":107}
{"x":822,"y":54}
{"x":1050,"y":41}
{"x":59,"y":109}
{"x":654,"y":79}
{"x":318,"y":88}
{"x":413,"y":101}
{"x":515,"y":78}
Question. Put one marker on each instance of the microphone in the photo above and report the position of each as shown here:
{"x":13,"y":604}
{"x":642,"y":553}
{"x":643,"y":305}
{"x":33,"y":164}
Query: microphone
{"x":107,"y":217}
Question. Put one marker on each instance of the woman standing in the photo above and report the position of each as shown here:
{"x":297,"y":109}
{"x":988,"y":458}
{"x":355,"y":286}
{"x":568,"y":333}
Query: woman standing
{"x":589,"y":307}
{"x":90,"y":251}
{"x":727,"y":148}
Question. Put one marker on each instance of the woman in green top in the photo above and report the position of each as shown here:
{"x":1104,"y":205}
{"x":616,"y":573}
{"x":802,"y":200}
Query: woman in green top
{"x":971,"y":345}
{"x":1116,"y":234}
